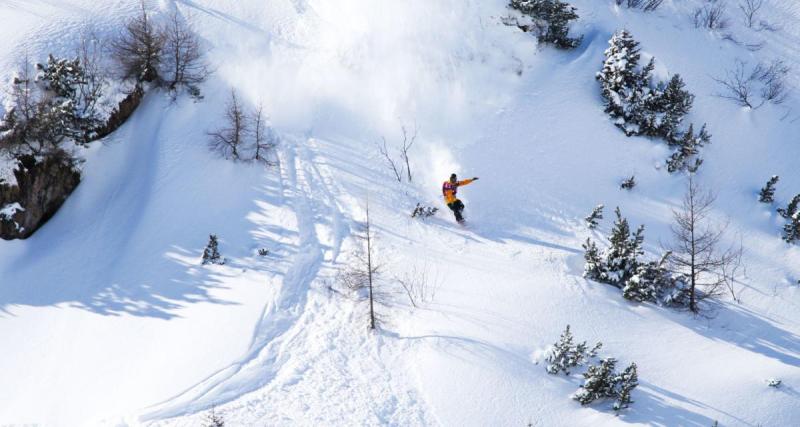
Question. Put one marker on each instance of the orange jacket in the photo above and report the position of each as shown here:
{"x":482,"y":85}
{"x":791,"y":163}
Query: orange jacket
{"x":449,"y":189}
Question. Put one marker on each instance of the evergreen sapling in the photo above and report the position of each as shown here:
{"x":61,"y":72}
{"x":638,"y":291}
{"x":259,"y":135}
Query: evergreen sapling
{"x":211,"y":253}
{"x":594,"y":217}
{"x":565,"y":354}
{"x":767,"y":193}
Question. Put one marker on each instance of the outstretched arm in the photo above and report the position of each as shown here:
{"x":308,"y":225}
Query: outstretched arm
{"x":467,"y":181}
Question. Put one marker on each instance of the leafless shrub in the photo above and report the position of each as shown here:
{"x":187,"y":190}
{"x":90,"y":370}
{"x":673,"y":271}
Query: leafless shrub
{"x":419,"y":285}
{"x":139,"y":47}
{"x":712,"y":15}
{"x":230,"y":139}
{"x":750,"y":10}
{"x":754,"y":87}
{"x":696,"y":253}
{"x":264,"y":141}
{"x":645,"y":5}
{"x":183,"y":56}
{"x":397,"y":165}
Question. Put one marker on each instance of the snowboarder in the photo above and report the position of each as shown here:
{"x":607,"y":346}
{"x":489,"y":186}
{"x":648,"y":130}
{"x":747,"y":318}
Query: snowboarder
{"x":449,"y":190}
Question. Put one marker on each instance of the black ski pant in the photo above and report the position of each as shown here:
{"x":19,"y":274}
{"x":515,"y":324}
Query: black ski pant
{"x":457,"y":207}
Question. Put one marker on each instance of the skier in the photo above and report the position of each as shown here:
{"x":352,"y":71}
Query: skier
{"x":449,"y":190}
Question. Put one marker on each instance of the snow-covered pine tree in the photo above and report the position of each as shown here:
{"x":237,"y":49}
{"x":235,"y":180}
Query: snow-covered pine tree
{"x":593,"y":218}
{"x":767,"y":193}
{"x":211,"y":253}
{"x":619,"y":79}
{"x":627,"y":381}
{"x":565,"y":354}
{"x":594,"y":268}
{"x":74,"y":94}
{"x":622,"y":257}
{"x":600,"y":381}
{"x":551,"y":20}
{"x":791,"y":208}
{"x":791,"y":230}
{"x":674,"y":103}
{"x":651,"y":282}
{"x":688,"y":147}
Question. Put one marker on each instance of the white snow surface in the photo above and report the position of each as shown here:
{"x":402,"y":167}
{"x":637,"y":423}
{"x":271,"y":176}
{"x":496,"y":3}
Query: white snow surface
{"x":107,"y":316}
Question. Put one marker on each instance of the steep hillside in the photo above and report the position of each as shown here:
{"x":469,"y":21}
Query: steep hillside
{"x":108,"y":318}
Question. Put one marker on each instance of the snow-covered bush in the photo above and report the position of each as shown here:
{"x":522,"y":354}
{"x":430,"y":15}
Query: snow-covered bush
{"x":601,"y":381}
{"x":74,"y":94}
{"x":211,"y":252}
{"x":421,"y":211}
{"x":628,"y":183}
{"x":550,"y":20}
{"x":565,"y":354}
{"x":767,"y":193}
{"x":213,"y":419}
{"x":641,"y":108}
{"x":593,"y":218}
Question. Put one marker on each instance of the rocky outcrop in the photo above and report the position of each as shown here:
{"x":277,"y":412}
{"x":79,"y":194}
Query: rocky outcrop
{"x":42,"y":187}
{"x":123,"y":111}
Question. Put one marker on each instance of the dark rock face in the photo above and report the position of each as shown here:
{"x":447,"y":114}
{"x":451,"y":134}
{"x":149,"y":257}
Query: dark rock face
{"x":42,"y":187}
{"x":123,"y":111}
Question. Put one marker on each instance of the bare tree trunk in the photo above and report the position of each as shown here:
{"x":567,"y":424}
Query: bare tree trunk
{"x":369,"y":273}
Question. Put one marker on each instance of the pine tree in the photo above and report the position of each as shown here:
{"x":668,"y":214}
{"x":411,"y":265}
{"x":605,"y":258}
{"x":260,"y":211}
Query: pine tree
{"x":594,"y":268}
{"x":565,"y":354}
{"x":791,"y":208}
{"x":767,"y":194}
{"x":213,"y":420}
{"x":674,"y":103}
{"x":74,"y":94}
{"x":594,"y":217}
{"x":688,"y":147}
{"x":626,"y":382}
{"x":791,"y":230}
{"x":621,"y":84}
{"x":211,"y":253}
{"x":651,"y":281}
{"x":621,"y":258}
{"x":600,"y":381}
{"x":551,"y":19}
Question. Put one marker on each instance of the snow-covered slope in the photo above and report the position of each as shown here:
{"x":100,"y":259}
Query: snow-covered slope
{"x":107,"y":317}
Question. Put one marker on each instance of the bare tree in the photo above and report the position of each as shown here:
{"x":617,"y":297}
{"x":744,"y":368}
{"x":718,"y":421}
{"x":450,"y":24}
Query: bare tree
{"x":750,"y":9}
{"x":263,"y":140}
{"x":138,"y":49}
{"x":754,"y":87}
{"x":229,"y":140}
{"x":183,"y":57}
{"x":407,"y":144}
{"x":384,"y":150}
{"x":363,"y":273}
{"x":696,"y":253}
{"x":405,"y":148}
{"x":711,"y":15}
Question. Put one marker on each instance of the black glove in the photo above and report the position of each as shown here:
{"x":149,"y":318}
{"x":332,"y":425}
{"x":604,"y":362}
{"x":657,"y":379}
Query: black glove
{"x":475,"y":179}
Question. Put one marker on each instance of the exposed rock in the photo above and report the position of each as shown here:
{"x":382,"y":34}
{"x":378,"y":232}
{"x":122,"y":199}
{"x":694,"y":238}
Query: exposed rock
{"x":42,"y":187}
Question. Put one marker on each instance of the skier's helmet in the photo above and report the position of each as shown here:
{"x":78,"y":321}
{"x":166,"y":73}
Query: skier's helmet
{"x":453,"y":178}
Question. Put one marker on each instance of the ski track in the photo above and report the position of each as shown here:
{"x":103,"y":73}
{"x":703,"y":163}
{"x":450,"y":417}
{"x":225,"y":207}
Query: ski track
{"x":263,"y":359}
